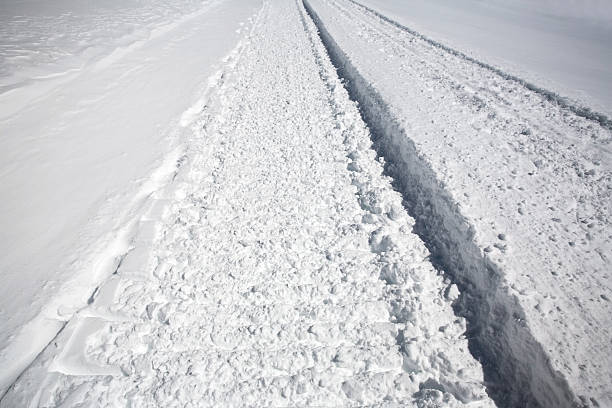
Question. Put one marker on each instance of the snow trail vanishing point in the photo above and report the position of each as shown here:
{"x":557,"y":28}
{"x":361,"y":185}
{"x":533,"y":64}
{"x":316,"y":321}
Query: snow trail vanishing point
{"x":283,"y":268}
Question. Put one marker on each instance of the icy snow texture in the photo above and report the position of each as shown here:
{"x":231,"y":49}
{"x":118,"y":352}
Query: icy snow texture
{"x":284,"y":273}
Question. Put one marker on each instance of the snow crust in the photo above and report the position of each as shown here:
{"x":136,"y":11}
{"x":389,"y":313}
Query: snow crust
{"x":514,"y":193}
{"x":91,"y":108}
{"x":564,"y":46}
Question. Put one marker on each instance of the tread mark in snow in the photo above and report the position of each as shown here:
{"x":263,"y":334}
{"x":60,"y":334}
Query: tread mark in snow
{"x":379,"y":241}
{"x":517,"y":370}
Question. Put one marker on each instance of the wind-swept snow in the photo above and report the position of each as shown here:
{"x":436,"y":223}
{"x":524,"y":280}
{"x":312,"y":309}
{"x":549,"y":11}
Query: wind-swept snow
{"x":283,"y":271}
{"x":77,"y":151}
{"x":43,"y":40}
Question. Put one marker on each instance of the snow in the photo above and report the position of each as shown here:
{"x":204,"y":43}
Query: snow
{"x":512,"y":194}
{"x":85,"y":120}
{"x":280,"y":270}
{"x":287,"y":203}
{"x":43,"y":40}
{"x":564,"y":46}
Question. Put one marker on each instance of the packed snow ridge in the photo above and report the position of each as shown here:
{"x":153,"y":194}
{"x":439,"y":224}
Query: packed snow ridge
{"x":345,"y":213}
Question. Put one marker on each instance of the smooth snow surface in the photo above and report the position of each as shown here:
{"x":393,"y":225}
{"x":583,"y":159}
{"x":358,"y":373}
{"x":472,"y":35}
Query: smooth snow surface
{"x":80,"y":138}
{"x":564,"y":45}
{"x":512,"y":194}
{"x":43,"y":39}
{"x":278,"y":269}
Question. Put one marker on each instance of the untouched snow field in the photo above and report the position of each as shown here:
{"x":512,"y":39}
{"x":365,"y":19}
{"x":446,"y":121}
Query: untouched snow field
{"x":298,"y":203}
{"x":89,"y":110}
{"x":564,"y":46}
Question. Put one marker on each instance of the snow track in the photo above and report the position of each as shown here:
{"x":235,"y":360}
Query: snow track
{"x":494,"y":318}
{"x":279,"y":269}
{"x":413,"y":106}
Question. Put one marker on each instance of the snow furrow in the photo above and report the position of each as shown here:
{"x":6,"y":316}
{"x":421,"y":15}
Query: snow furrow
{"x":517,"y":370}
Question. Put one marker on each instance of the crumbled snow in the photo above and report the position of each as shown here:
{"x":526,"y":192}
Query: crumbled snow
{"x":194,"y":212}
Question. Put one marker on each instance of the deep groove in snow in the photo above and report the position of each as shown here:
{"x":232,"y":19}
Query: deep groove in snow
{"x":517,"y":370}
{"x":393,"y":278}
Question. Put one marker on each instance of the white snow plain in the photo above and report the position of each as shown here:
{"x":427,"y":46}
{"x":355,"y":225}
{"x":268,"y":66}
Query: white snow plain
{"x":94,"y":99}
{"x":564,"y":46}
